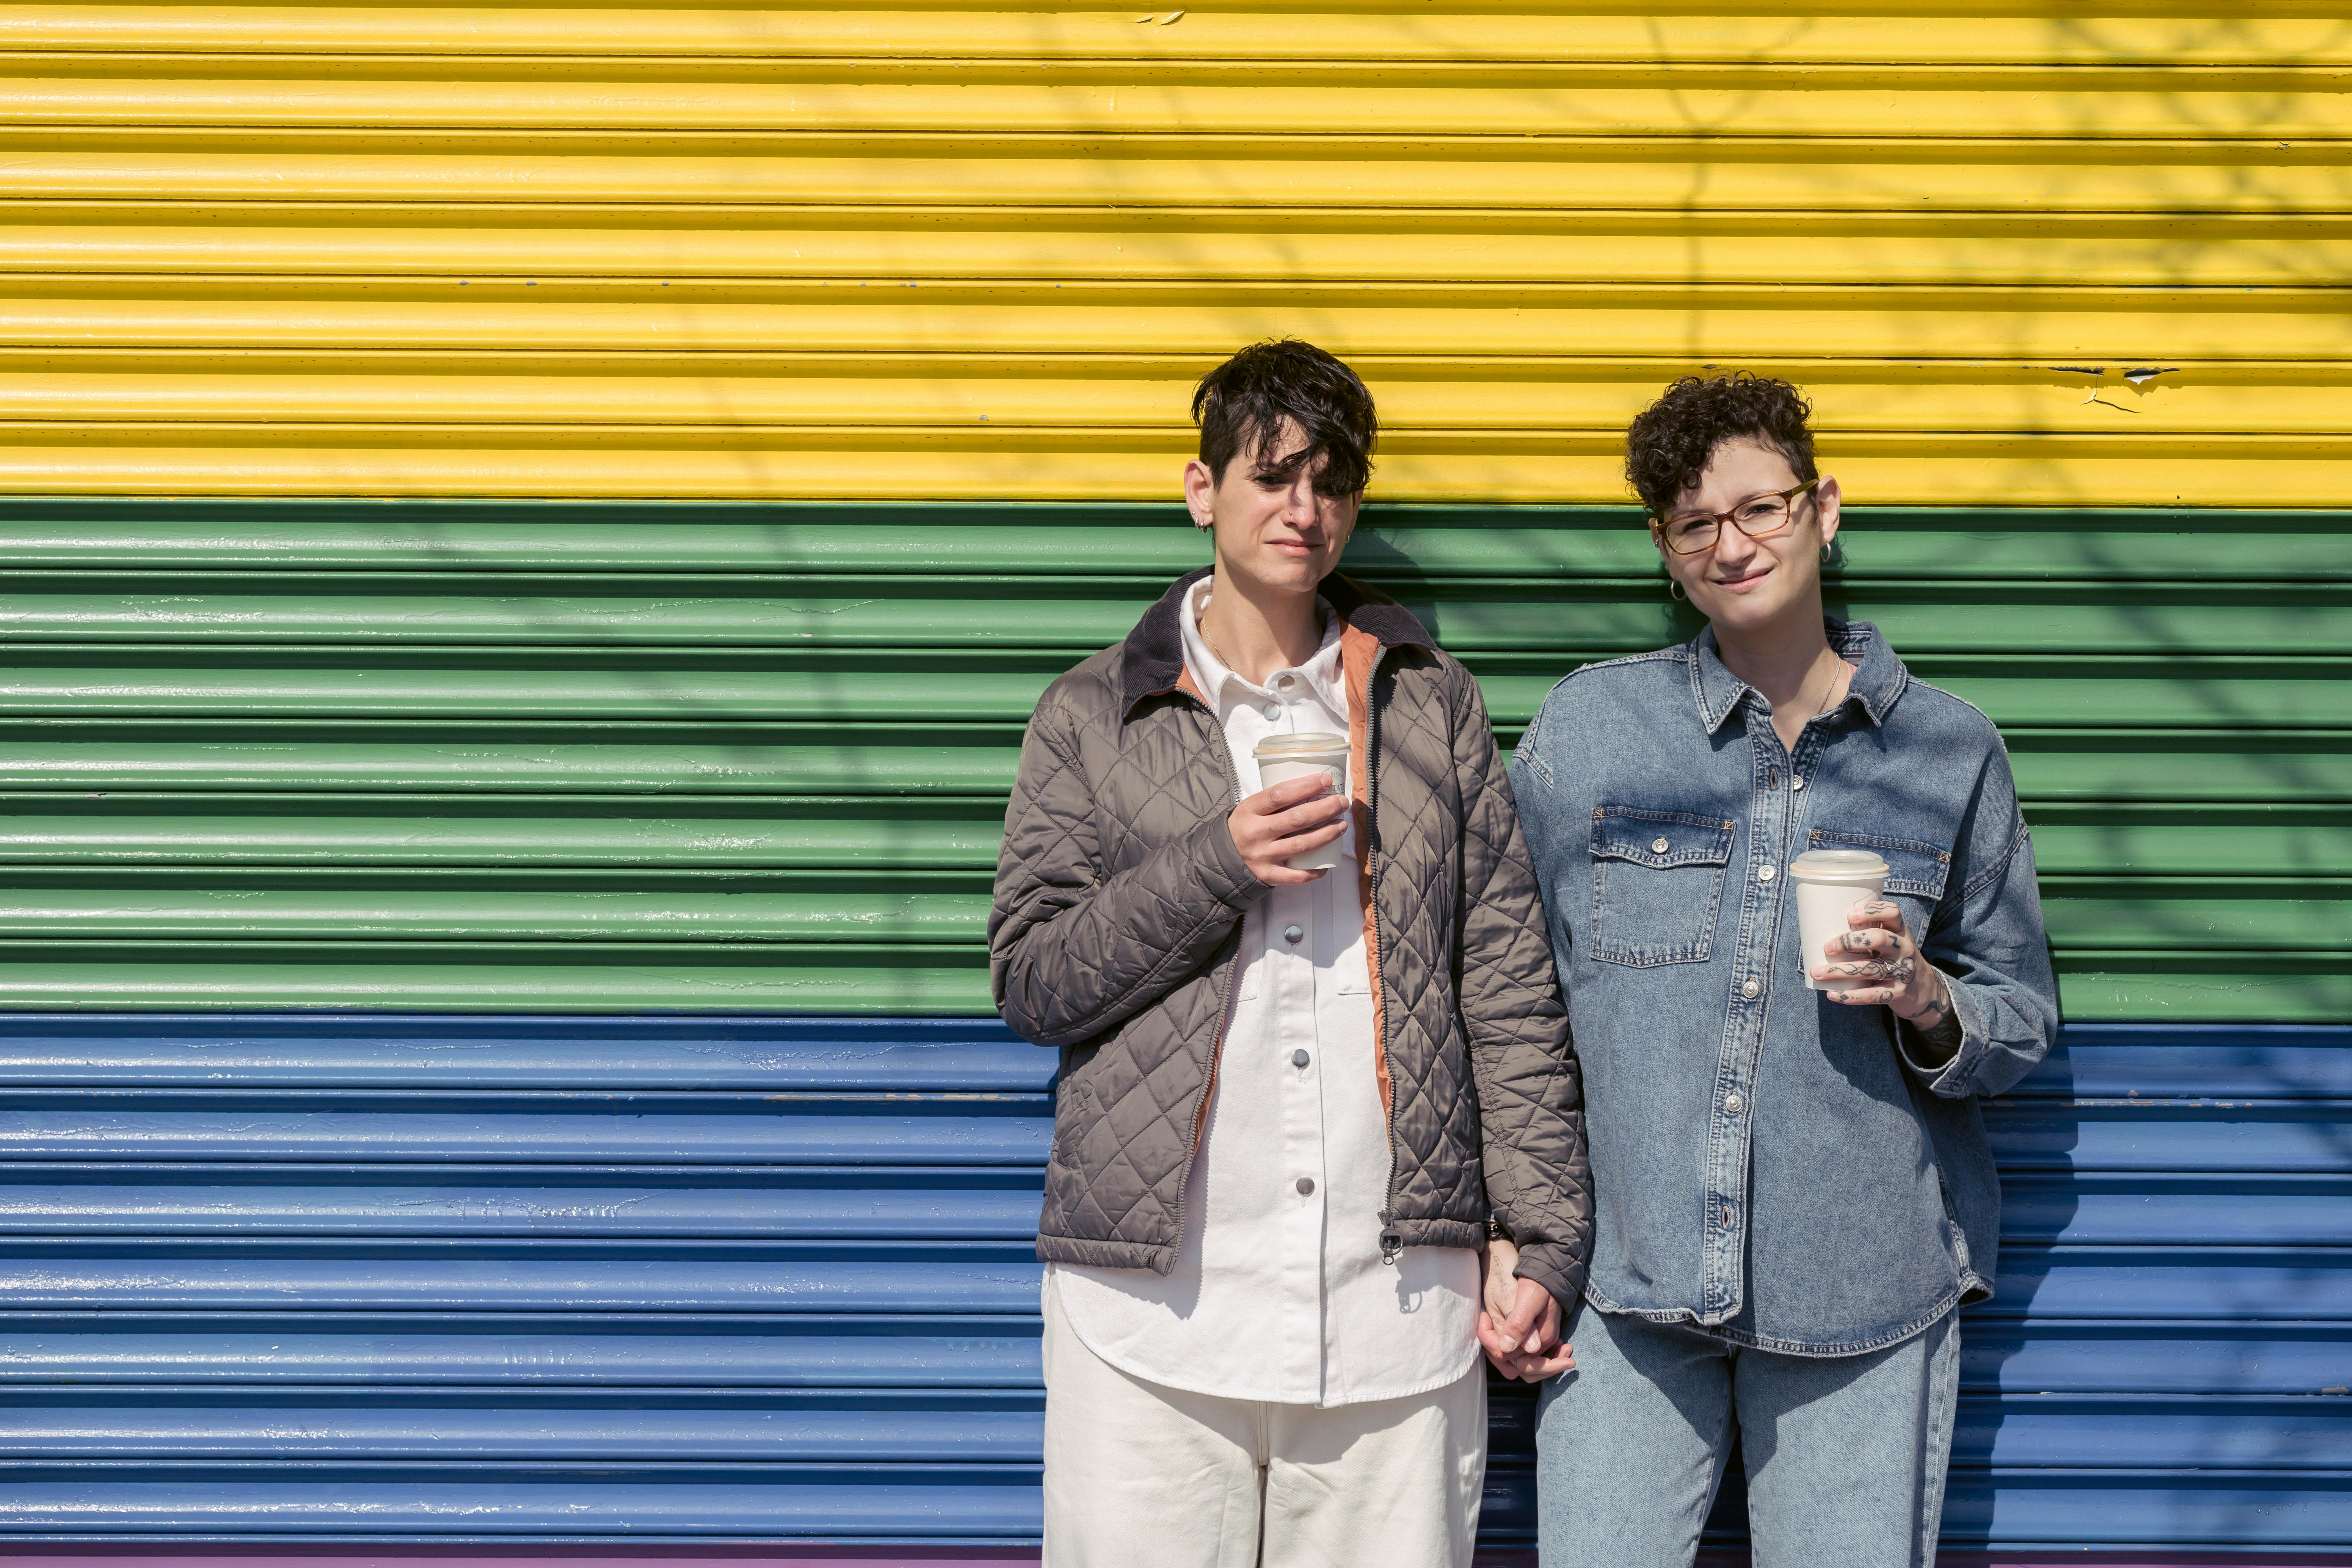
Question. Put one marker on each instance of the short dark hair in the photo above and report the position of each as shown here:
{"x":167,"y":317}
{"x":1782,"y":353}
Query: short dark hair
{"x":1241,"y":404}
{"x":1668,"y":447}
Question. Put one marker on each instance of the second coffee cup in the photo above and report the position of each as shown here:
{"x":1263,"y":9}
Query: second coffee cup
{"x":1829,"y":883}
{"x":1282,"y":758}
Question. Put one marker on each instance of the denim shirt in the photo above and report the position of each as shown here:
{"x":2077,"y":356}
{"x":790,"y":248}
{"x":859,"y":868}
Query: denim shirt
{"x":1786,"y":1171}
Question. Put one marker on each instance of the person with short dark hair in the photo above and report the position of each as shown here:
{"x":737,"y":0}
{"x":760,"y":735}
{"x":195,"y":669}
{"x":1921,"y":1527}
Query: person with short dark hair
{"x":1794,"y":1191}
{"x":1313,"y":1048}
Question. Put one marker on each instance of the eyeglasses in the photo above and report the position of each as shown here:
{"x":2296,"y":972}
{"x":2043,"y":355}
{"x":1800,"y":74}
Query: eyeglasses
{"x":1758,"y":517}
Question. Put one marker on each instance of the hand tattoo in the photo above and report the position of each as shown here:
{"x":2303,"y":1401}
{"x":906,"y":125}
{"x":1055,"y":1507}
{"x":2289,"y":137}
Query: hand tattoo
{"x":1938,"y":1028}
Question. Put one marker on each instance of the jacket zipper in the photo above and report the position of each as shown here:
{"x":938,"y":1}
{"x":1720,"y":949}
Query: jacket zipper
{"x":1391,"y":1239}
{"x":1224,"y":1011}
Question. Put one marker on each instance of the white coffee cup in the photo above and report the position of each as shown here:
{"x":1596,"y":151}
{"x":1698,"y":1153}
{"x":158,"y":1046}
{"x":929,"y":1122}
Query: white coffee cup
{"x":1282,"y":758}
{"x":1829,"y":883}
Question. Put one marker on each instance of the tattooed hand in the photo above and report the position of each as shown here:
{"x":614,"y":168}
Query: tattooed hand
{"x":1877,"y":954}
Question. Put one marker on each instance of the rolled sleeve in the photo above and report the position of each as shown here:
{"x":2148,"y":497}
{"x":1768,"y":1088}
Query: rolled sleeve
{"x":1995,"y":958}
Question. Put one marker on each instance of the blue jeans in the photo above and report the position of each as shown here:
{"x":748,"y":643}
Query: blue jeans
{"x":1845,"y":1454}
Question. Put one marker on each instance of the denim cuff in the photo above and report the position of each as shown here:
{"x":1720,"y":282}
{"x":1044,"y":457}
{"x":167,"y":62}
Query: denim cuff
{"x":1954,"y":1079}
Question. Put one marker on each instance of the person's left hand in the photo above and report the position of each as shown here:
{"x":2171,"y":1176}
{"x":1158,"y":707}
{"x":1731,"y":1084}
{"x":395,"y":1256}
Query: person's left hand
{"x":1518,"y":1319}
{"x":1877,"y":954}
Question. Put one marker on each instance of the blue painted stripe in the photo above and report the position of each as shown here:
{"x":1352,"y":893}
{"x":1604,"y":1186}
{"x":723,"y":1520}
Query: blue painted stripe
{"x":581,"y":1278}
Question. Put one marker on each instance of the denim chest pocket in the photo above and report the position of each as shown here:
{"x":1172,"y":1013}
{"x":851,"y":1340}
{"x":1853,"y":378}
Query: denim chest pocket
{"x":1915,"y":873}
{"x":1657,"y":884}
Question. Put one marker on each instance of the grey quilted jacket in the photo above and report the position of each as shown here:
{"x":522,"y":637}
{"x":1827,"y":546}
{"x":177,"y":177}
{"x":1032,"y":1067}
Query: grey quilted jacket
{"x":1116,"y":926}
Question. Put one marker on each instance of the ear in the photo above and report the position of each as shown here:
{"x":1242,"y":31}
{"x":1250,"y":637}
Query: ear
{"x":1348,"y":511}
{"x":1201,"y":494}
{"x":1825,"y":502}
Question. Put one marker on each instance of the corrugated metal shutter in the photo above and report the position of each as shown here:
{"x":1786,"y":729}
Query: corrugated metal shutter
{"x":589,"y":1278}
{"x":398,"y":1277}
{"x":451,"y":756}
{"x":961,"y":253}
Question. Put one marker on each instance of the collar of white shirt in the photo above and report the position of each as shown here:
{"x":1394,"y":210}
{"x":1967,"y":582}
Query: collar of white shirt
{"x":1222,"y":686}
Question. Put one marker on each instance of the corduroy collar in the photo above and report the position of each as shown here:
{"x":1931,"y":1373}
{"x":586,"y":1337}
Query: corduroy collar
{"x":1152,"y":657}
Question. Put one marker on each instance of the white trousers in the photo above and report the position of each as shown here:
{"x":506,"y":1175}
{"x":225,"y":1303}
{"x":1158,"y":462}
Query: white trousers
{"x":1140,"y":1476}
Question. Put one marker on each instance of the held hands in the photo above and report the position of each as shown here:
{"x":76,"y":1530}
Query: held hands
{"x":1878,"y":954}
{"x":1289,"y":820}
{"x":1519,"y":1326}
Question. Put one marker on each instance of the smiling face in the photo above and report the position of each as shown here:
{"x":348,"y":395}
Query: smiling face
{"x":1272,"y":532}
{"x":1746,"y":584}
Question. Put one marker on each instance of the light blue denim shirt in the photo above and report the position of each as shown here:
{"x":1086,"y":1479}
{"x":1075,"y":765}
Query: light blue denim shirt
{"x":1767,"y":1164}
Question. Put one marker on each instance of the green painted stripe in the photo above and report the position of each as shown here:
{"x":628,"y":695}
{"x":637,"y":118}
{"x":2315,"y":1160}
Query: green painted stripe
{"x":618,"y":756}
{"x":1149,"y":541}
{"x":2150,"y":691}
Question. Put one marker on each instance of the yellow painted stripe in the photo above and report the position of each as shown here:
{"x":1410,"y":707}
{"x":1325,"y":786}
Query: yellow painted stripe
{"x":910,"y":465}
{"x":853,"y":321}
{"x":295,"y":113}
{"x":1653,"y":180}
{"x":1841,"y":252}
{"x":2162,"y":35}
{"x":983,"y":252}
{"x":1974,"y":400}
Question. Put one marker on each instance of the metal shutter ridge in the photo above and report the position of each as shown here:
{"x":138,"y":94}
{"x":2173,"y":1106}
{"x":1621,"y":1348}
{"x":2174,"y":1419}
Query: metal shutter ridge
{"x":415,"y":1279}
{"x":531,"y":536}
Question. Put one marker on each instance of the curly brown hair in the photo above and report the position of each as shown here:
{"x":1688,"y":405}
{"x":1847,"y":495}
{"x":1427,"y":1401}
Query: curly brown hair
{"x":1670,"y":442}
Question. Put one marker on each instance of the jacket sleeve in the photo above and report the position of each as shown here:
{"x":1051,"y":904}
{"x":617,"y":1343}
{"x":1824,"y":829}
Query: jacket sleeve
{"x":1530,"y":1090}
{"x":1988,"y":938}
{"x":1071,"y":953}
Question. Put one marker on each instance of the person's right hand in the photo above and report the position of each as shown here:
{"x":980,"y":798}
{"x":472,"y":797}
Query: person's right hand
{"x":1518,"y":1324}
{"x":1274,"y":824}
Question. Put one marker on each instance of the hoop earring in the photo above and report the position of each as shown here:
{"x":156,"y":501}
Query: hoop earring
{"x":1200,"y":526}
{"x":1827,"y":551}
{"x":1675,"y":590}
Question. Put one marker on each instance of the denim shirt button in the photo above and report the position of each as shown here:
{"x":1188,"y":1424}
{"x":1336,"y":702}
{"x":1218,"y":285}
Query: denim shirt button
{"x":1750,"y":988}
{"x":1732,"y":1103}
{"x":1763,"y":873}
{"x":1795,"y":781}
{"x":1659,"y":846}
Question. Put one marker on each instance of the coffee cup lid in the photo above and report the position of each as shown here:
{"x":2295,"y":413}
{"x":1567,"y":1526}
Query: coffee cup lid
{"x":1838,"y":865}
{"x":1312,"y":745}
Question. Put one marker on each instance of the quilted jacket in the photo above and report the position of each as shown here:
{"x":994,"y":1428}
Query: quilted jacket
{"x":1116,"y":929}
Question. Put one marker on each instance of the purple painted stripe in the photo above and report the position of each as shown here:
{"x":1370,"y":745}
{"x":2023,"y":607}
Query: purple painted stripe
{"x":521,"y":1555}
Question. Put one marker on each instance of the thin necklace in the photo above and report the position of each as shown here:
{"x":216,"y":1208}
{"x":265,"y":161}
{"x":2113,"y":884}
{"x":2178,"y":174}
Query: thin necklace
{"x":1826,"y":690}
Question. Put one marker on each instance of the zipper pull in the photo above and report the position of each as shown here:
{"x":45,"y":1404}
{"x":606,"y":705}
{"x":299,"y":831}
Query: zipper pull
{"x":1391,"y":1239}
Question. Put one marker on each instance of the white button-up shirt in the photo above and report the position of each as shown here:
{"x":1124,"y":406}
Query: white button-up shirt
{"x":1278,"y":1291}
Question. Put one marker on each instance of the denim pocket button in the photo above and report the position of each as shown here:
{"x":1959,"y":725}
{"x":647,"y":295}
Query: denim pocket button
{"x":1657,"y":883}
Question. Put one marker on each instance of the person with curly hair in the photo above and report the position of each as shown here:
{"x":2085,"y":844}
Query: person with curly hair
{"x":1792,"y":1190}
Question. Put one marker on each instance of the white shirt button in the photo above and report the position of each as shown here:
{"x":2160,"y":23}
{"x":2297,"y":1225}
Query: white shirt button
{"x":1795,"y":781}
{"x":1751,"y":988}
{"x":1732,"y":1103}
{"x":1299,"y":1058}
{"x":1305,"y":1186}
{"x":1293,"y":934}
{"x":1273,"y":709}
{"x":1763,"y":873}
{"x":1659,"y":846}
